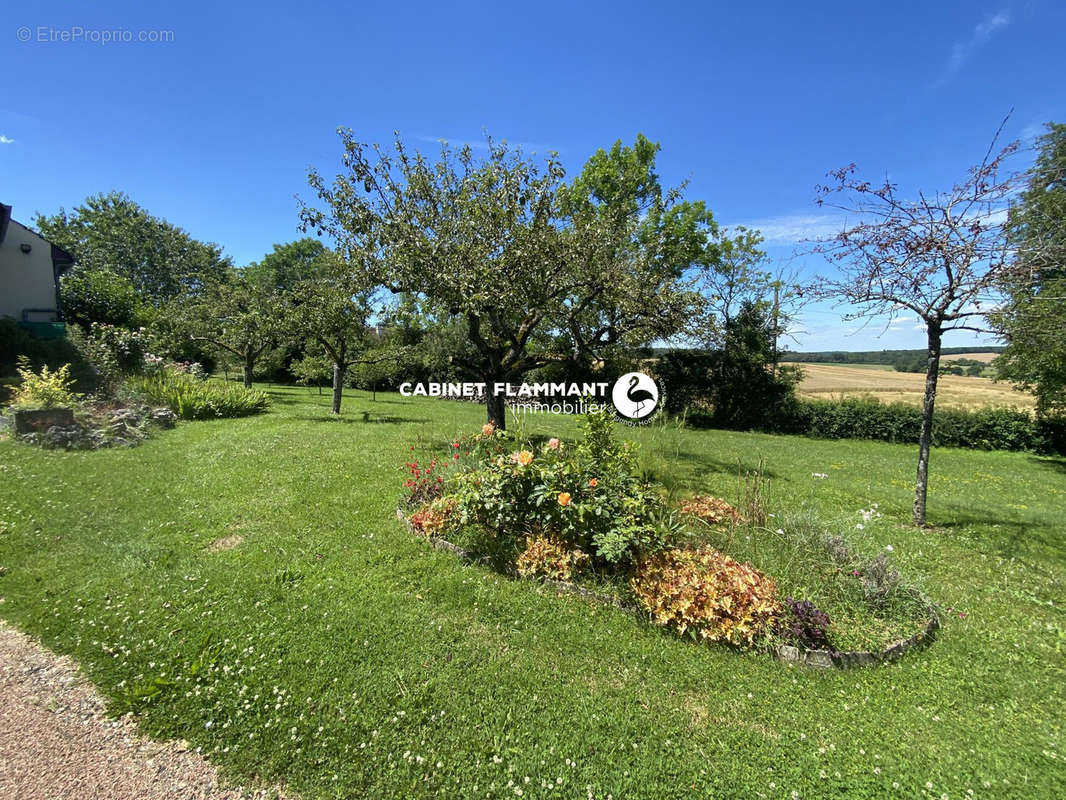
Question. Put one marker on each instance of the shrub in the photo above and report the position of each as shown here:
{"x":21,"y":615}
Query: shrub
{"x":44,"y":389}
{"x":706,"y":594}
{"x":550,"y":557}
{"x":586,"y":495}
{"x":435,"y":517}
{"x":687,"y":376}
{"x":711,"y":510}
{"x":16,"y":341}
{"x":99,"y":295}
{"x":111,"y":352}
{"x":982,"y":429}
{"x":191,"y":398}
{"x":802,"y":623}
{"x":424,"y":483}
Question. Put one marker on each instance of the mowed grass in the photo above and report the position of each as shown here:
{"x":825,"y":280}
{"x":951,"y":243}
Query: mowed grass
{"x":333,"y":653}
{"x":835,"y":381}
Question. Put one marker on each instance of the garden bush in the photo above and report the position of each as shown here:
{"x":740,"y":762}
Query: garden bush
{"x":99,"y":295}
{"x":194,"y":398}
{"x":586,"y":495}
{"x":577,"y":512}
{"x":802,"y":623}
{"x":112,"y":351}
{"x":16,"y":341}
{"x":707,"y":594}
{"x":44,"y":389}
{"x":550,"y":557}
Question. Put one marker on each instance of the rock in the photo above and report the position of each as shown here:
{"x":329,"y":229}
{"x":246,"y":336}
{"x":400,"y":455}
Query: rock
{"x":65,"y":437}
{"x":37,"y":420}
{"x":787,"y":652}
{"x":820,"y":659}
{"x":124,"y":416}
{"x":163,"y":417}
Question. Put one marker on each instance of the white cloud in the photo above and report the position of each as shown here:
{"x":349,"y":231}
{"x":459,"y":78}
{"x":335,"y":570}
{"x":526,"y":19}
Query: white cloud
{"x":982,"y":32}
{"x":791,"y":228}
{"x":6,"y":140}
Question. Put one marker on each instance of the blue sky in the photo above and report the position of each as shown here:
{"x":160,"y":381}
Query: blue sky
{"x":215,"y":127}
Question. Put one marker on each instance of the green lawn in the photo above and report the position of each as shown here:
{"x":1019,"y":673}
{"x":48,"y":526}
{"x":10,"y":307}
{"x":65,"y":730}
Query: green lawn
{"x":334,"y":653}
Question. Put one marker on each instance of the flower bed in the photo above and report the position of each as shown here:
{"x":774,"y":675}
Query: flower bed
{"x":576,"y":517}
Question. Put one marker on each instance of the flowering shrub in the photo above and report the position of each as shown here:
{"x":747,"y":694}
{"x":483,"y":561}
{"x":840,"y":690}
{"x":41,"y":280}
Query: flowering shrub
{"x":424,"y":483}
{"x":586,"y":496}
{"x":711,"y":510}
{"x":802,"y":623}
{"x":46,"y":389}
{"x":706,"y":594}
{"x":550,"y":557}
{"x":115,"y":351}
{"x":194,"y":369}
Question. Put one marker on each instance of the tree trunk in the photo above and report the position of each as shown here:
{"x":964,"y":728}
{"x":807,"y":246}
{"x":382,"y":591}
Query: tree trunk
{"x":932,"y":372}
{"x":496,"y":407}
{"x":339,"y":367}
{"x":249,"y":368}
{"x":338,"y":388}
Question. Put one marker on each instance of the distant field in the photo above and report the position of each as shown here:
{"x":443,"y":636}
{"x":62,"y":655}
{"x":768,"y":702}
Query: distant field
{"x":833,"y":381}
{"x":985,"y":358}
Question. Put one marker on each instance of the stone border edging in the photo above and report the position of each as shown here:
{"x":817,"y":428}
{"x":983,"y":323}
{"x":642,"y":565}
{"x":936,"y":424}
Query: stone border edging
{"x":785,"y":653}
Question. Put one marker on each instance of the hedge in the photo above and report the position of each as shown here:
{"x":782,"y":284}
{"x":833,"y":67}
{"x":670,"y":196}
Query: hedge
{"x":982,"y":429}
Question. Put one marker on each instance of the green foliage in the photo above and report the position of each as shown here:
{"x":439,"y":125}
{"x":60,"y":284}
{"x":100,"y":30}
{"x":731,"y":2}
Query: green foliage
{"x":1033,"y":320}
{"x":113,"y":352}
{"x":890,"y":357}
{"x":288,"y":264}
{"x":707,"y":594}
{"x":737,"y":384}
{"x":16,"y":341}
{"x":686,"y":376}
{"x":193,"y":398}
{"x":745,"y":390}
{"x":99,"y":295}
{"x":312,"y":370}
{"x":111,"y":232}
{"x":234,"y":315}
{"x":532,"y":269}
{"x":983,"y":429}
{"x":44,"y":389}
{"x":586,"y":496}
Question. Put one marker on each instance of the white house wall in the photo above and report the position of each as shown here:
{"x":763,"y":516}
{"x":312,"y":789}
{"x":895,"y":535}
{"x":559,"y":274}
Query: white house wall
{"x":26,"y":279}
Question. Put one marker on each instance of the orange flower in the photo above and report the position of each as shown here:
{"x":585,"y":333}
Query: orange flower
{"x":525,"y":458}
{"x":488,"y":429}
{"x":564,"y":498}
{"x":593,"y":483}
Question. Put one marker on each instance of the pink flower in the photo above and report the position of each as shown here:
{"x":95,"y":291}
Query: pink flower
{"x":554,"y":444}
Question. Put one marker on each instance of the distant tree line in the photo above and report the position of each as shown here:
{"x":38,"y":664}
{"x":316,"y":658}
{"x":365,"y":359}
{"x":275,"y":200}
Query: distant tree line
{"x":889,"y":357}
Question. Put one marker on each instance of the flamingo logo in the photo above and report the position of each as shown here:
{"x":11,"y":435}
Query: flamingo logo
{"x":635,"y":396}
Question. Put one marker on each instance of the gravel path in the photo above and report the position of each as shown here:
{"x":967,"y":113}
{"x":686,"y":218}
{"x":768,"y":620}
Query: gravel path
{"x":56,"y":741}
